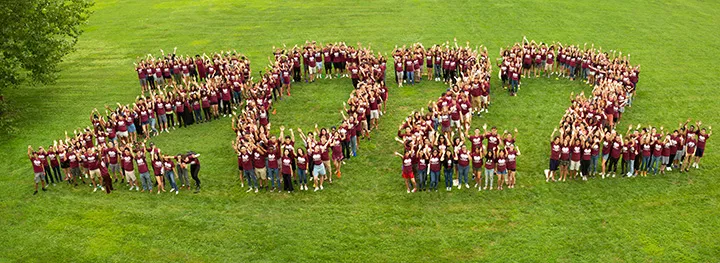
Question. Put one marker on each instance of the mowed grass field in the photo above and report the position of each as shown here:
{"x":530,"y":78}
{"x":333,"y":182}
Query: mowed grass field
{"x":366,"y":216}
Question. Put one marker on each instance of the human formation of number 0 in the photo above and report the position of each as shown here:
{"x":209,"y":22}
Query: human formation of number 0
{"x":178,"y":91}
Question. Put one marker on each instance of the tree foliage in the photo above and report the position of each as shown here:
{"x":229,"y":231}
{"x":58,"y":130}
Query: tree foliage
{"x":36,"y":34}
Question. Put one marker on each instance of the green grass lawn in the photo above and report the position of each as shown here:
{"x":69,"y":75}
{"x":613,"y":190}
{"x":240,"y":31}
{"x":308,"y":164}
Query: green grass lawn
{"x":366,"y":215}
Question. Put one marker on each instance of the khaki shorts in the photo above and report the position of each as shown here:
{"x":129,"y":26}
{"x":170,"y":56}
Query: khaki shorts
{"x":130,"y":176}
{"x":328,"y":167}
{"x":94,"y":173}
{"x":476,"y":101}
{"x":39,"y":177}
{"x":313,"y":70}
{"x":261,"y":173}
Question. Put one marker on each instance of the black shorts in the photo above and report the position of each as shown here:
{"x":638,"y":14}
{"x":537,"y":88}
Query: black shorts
{"x":429,"y":65}
{"x":526,"y":66}
{"x":65,"y":164}
{"x":699,"y":152}
{"x":554,"y":164}
{"x":328,"y":65}
{"x":504,"y":78}
{"x":337,"y":65}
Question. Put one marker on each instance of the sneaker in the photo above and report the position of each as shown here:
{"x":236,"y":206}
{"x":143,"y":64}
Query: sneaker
{"x":44,"y":189}
{"x":54,"y":184}
{"x":467,"y":186}
{"x":176,"y":191}
{"x":408,"y":191}
{"x":321,"y":187}
{"x":459,"y":186}
{"x":316,"y":189}
{"x":137,"y":188}
{"x":479,"y":189}
{"x":94,"y":189}
{"x":102,"y":188}
{"x":414,"y":190}
{"x":249,"y":189}
{"x":256,"y":190}
{"x":242,"y":184}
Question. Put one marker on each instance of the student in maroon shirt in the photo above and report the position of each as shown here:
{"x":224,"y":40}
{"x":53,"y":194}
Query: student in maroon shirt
{"x":286,"y":170}
{"x":702,"y":137}
{"x":38,"y":169}
{"x":407,"y":171}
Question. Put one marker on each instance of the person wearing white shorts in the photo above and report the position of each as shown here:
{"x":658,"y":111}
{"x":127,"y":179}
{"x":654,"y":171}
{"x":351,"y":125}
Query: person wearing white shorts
{"x":574,"y":166}
{"x":374,"y":114}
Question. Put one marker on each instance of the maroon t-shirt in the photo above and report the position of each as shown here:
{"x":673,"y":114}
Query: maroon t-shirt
{"x":37,"y":165}
{"x":258,"y":160}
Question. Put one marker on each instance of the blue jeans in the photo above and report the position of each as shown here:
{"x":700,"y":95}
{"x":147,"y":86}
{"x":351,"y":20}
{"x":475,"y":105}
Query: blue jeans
{"x":236,"y":97}
{"x":302,"y":174}
{"x":421,"y":176}
{"x":251,"y":179}
{"x":147,"y":183}
{"x":489,"y":177}
{"x":572,"y":72}
{"x":631,"y":166}
{"x":593,"y":163}
{"x":410,"y":77}
{"x":463,"y":174}
{"x":655,"y":164}
{"x":514,"y":84}
{"x":170,"y":176}
{"x":152,"y":124}
{"x":437,"y":71}
{"x":434,"y":179}
{"x":448,"y":177}
{"x":353,"y":145}
{"x":274,"y":178}
{"x":198,"y":116}
{"x":645,"y":165}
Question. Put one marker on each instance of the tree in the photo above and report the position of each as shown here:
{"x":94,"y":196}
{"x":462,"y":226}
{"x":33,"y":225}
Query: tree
{"x":35,"y":35}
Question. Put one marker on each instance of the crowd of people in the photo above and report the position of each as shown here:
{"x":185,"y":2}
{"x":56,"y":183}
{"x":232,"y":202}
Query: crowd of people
{"x":587,"y":130}
{"x":435,"y":140}
{"x":274,"y":163}
{"x":92,"y":157}
{"x":591,"y":65}
{"x":639,"y":151}
{"x":177,"y":91}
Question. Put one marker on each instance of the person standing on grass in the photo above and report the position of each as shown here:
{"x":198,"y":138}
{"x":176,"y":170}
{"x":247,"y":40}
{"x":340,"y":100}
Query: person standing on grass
{"x":38,"y":169}
{"x":318,"y":167}
{"x":702,"y":137}
{"x":169,"y":168}
{"x":182,"y":172}
{"x":157,"y":165}
{"x":43,"y":157}
{"x":448,"y":168}
{"x":286,"y":170}
{"x":512,"y":153}
{"x":93,"y":165}
{"x":259,"y":166}
{"x":435,"y":162}
{"x":337,"y":153}
{"x":407,"y":171}
{"x":555,"y":147}
{"x":302,"y":168}
{"x":142,"y":166}
{"x":107,"y":181}
{"x":192,"y":159}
